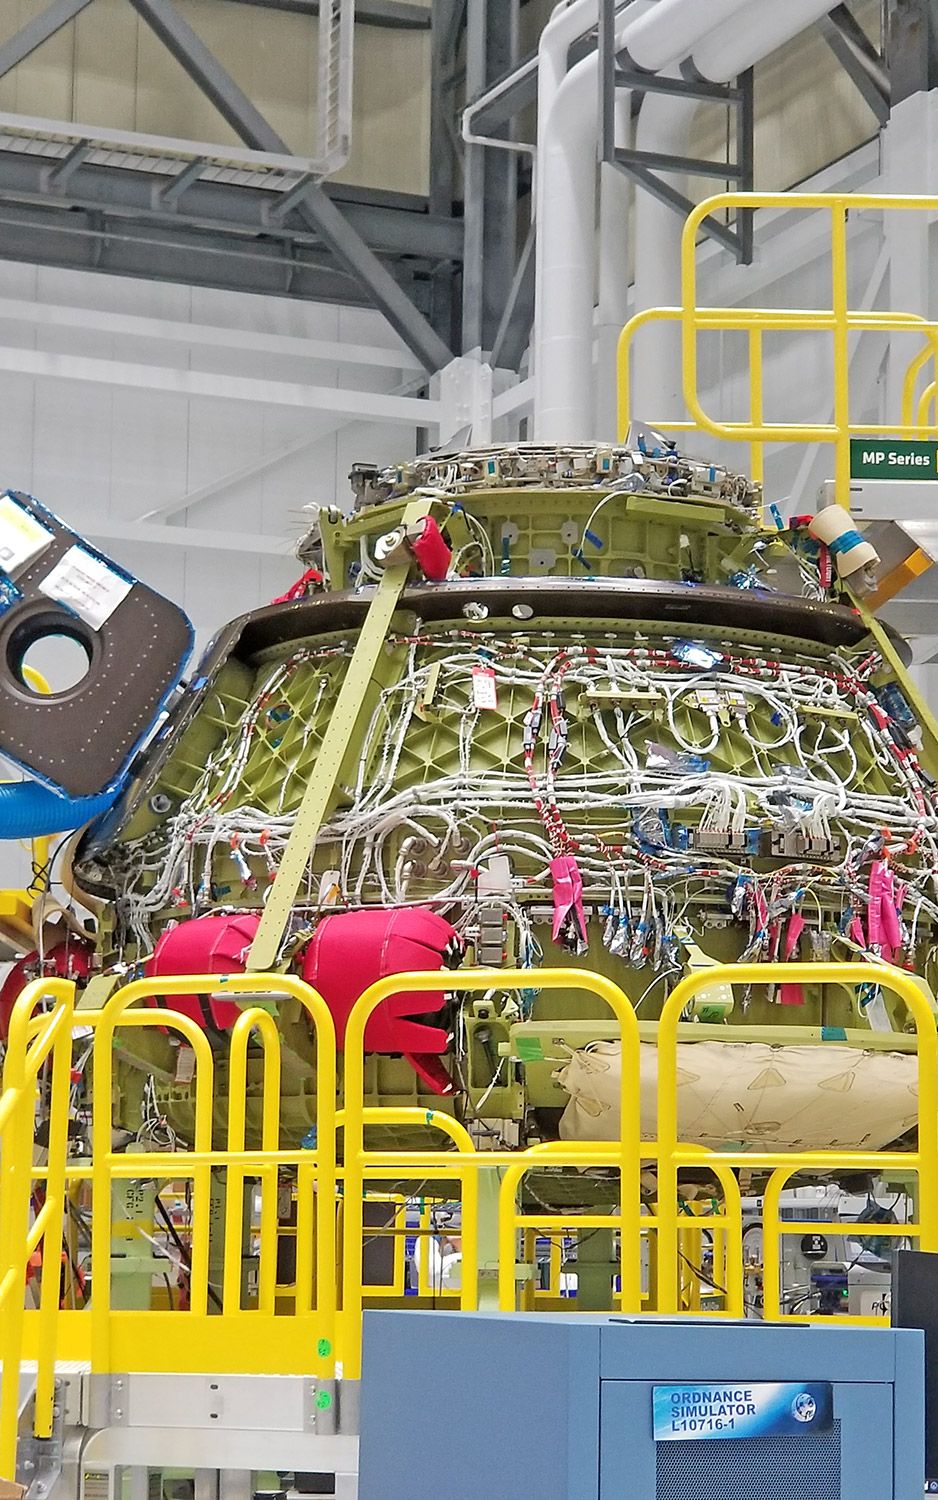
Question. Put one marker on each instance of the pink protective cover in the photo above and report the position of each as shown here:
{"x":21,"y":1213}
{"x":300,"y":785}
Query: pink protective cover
{"x":215,"y":944}
{"x":350,"y":950}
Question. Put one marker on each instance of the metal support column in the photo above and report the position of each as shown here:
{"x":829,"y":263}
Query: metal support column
{"x":644,"y":167}
{"x":491,"y":179}
{"x":911,"y":47}
{"x":445,"y":157}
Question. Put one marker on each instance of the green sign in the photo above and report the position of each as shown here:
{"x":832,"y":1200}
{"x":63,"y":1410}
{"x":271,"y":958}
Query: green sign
{"x":888,"y":458}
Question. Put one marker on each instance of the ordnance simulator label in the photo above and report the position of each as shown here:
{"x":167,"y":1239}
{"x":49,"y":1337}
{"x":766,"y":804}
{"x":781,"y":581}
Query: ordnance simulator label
{"x":743,"y":1410}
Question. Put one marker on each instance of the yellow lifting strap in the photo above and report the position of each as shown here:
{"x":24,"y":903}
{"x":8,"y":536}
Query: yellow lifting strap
{"x":342,"y":729}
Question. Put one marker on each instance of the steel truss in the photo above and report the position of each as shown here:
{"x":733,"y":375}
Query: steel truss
{"x":452,"y":271}
{"x":258,"y":221}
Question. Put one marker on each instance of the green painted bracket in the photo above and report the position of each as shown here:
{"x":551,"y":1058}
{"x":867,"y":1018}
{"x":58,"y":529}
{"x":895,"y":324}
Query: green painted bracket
{"x":341,"y":731}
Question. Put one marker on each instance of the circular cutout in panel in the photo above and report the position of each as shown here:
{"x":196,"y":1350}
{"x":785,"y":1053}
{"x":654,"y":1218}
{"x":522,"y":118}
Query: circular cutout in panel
{"x":50,"y":655}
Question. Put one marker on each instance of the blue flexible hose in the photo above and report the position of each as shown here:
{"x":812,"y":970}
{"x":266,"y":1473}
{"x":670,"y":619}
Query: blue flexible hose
{"x":29,"y":810}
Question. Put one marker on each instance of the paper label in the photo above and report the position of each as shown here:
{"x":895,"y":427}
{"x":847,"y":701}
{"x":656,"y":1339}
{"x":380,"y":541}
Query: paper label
{"x":484,"y":691}
{"x":87,"y":586}
{"x":22,"y":537}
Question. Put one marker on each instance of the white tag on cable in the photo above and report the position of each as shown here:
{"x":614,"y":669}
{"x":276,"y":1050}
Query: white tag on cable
{"x":876,"y":1012}
{"x":495,"y":876}
{"x":185,"y":1065}
{"x":330,"y":888}
{"x":86,"y":585}
{"x":484,"y":691}
{"x":22,"y":537}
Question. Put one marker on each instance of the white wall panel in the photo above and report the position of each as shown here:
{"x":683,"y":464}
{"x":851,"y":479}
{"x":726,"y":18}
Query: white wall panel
{"x":149,"y":442}
{"x":113,"y":454}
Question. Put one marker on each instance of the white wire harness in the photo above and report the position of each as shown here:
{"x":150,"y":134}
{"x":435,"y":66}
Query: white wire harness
{"x":763,"y":786}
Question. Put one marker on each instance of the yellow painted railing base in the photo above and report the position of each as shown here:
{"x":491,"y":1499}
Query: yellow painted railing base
{"x":330,"y":1182}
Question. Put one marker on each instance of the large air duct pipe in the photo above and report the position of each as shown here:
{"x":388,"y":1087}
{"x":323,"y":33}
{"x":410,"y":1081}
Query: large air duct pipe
{"x":671,"y":29}
{"x":566,"y":208}
{"x":564,"y":252}
{"x":759,"y":29}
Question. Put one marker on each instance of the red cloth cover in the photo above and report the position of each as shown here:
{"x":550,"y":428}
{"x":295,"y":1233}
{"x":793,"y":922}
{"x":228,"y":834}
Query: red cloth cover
{"x":350,"y":950}
{"x":68,"y":960}
{"x":216,"y":944}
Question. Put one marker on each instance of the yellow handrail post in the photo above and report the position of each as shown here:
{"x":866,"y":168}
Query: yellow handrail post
{"x":755,"y":402}
{"x":17,"y":1125}
{"x":116,"y":1012}
{"x":263,"y":1022}
{"x":839,"y":305}
{"x":924,"y":402}
{"x":60,"y":1088}
{"x":916,"y":365}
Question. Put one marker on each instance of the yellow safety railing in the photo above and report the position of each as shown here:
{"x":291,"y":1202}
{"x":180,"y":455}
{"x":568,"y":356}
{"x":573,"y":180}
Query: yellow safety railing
{"x":315,"y":1244}
{"x":583,"y":1154}
{"x":357,"y":1160}
{"x":498,"y":1224}
{"x":923,"y":1162}
{"x":838,"y":320}
{"x":32,"y":1049}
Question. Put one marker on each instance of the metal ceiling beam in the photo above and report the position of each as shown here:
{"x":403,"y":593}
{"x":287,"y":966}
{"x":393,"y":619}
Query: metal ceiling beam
{"x":516,"y":89}
{"x":859,"y":58}
{"x":87,"y":240}
{"x":391,"y":14}
{"x":182,"y":181}
{"x":216,"y":539}
{"x":60,"y":174}
{"x":676,"y":200}
{"x":18,"y":47}
{"x":240,"y":341}
{"x":316,"y":209}
{"x":222,"y":207}
{"x":663,"y":161}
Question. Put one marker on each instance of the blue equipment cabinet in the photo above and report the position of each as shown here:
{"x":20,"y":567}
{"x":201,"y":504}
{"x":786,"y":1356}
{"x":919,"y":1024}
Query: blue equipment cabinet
{"x":476,"y":1406}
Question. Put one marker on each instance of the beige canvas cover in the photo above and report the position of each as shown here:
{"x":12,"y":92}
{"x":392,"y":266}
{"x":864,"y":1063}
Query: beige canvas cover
{"x":752,"y":1094}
